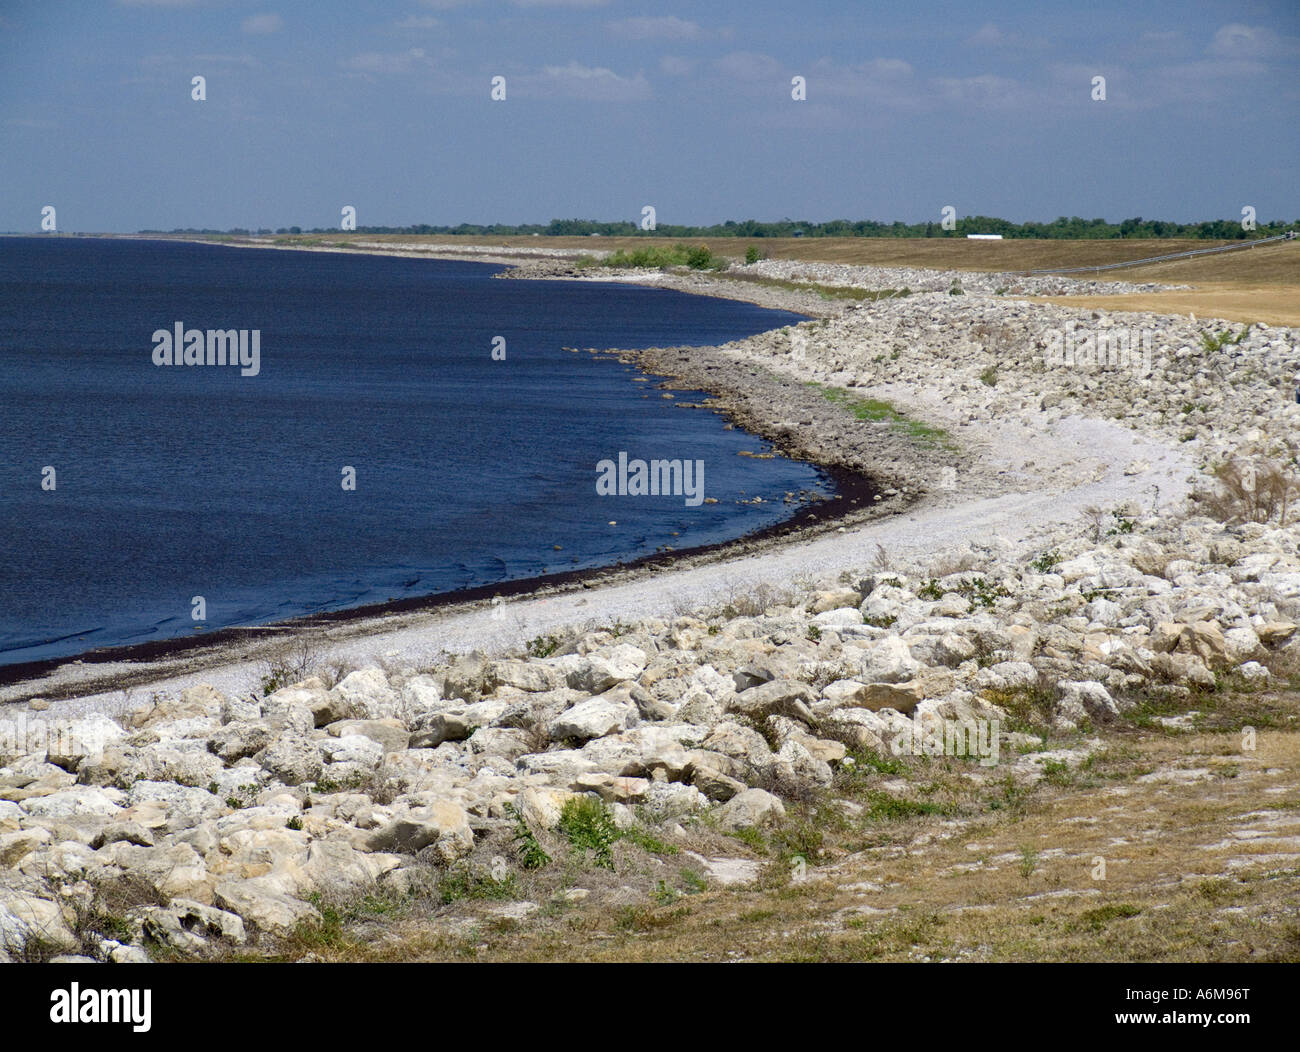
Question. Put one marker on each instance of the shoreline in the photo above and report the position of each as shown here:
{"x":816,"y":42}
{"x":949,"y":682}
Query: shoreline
{"x":852,"y":499}
{"x":1042,"y":453}
{"x":856,"y":498}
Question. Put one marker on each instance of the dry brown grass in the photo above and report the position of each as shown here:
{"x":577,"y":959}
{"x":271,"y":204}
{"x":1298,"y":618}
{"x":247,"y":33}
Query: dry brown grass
{"x":1253,"y":285}
{"x":1274,"y":264}
{"x":1251,"y":490}
{"x":953,"y":562}
{"x":1164,"y":846}
{"x":1270,"y":304}
{"x":1250,"y":285}
{"x":940,"y":253}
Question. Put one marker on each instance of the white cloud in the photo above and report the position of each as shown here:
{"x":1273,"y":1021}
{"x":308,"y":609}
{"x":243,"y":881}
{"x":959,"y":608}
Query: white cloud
{"x":988,"y":35}
{"x":156,"y":3}
{"x":888,"y":82}
{"x":674,"y":66}
{"x":1238,"y":41}
{"x":876,"y":69}
{"x":386,"y":62}
{"x":418,"y":22}
{"x":261,"y":25}
{"x":669,"y":27}
{"x":593,"y":83}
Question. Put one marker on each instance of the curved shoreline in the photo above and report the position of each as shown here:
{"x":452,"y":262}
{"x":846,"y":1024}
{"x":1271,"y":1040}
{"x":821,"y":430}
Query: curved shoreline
{"x":1030,"y":460}
{"x":852,"y":499}
{"x":857,"y":496}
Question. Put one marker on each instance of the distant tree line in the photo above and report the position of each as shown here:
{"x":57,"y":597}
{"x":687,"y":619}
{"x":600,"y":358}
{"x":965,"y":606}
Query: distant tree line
{"x":1062,"y":228}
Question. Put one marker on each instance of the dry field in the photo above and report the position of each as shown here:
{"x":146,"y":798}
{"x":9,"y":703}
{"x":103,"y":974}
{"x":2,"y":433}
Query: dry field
{"x":1250,"y":285}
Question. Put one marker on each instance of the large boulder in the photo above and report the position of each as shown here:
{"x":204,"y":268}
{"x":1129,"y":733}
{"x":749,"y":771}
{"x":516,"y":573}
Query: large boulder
{"x":173,"y":807}
{"x":172,"y":869}
{"x":199,"y":701}
{"x":593,"y":718}
{"x":750,"y":809}
{"x":79,"y":800}
{"x":293,"y":759}
{"x":26,"y":918}
{"x":740,"y":743}
{"x":1205,"y":640}
{"x":1006,"y":675}
{"x":540,"y":807}
{"x":840,"y":618}
{"x":239,"y":739}
{"x":612,"y":788}
{"x":440,"y":824}
{"x":901,"y":697}
{"x":237,"y":709}
{"x":187,"y":925}
{"x":261,"y":903}
{"x":834,"y":599}
{"x":889,"y":661}
{"x":595,"y":674}
{"x":781,"y":697}
{"x":14,"y":847}
{"x":796,"y":761}
{"x":390,"y":735}
{"x":715,"y":784}
{"x":531,"y":676}
{"x":73,"y":741}
{"x":353,"y":749}
{"x":185,"y":763}
{"x":455,"y":724}
{"x":291,"y":709}
{"x":364,"y":694}
{"x":866,"y":729}
{"x":1081,"y":701}
{"x":1184,"y":669}
{"x":333,"y":865}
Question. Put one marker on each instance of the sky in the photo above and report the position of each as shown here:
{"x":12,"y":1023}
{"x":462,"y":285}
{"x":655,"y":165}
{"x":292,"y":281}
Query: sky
{"x":612,"y":105}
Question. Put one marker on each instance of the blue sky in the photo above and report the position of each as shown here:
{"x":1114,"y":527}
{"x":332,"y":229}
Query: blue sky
{"x":613,"y":104}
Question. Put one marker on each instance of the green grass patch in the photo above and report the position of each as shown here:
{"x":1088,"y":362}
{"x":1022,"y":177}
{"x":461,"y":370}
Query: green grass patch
{"x":647,"y":841}
{"x":882,"y":807}
{"x":588,"y":824}
{"x":542,"y":646}
{"x":826,"y":292}
{"x":1096,"y":920}
{"x":657,"y":257}
{"x":751,"y":836}
{"x":465,"y":883}
{"x":876,"y":411}
{"x":531,"y":853}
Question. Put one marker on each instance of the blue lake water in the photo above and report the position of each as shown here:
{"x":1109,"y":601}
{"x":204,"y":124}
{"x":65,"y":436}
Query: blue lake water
{"x":172,"y":482}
